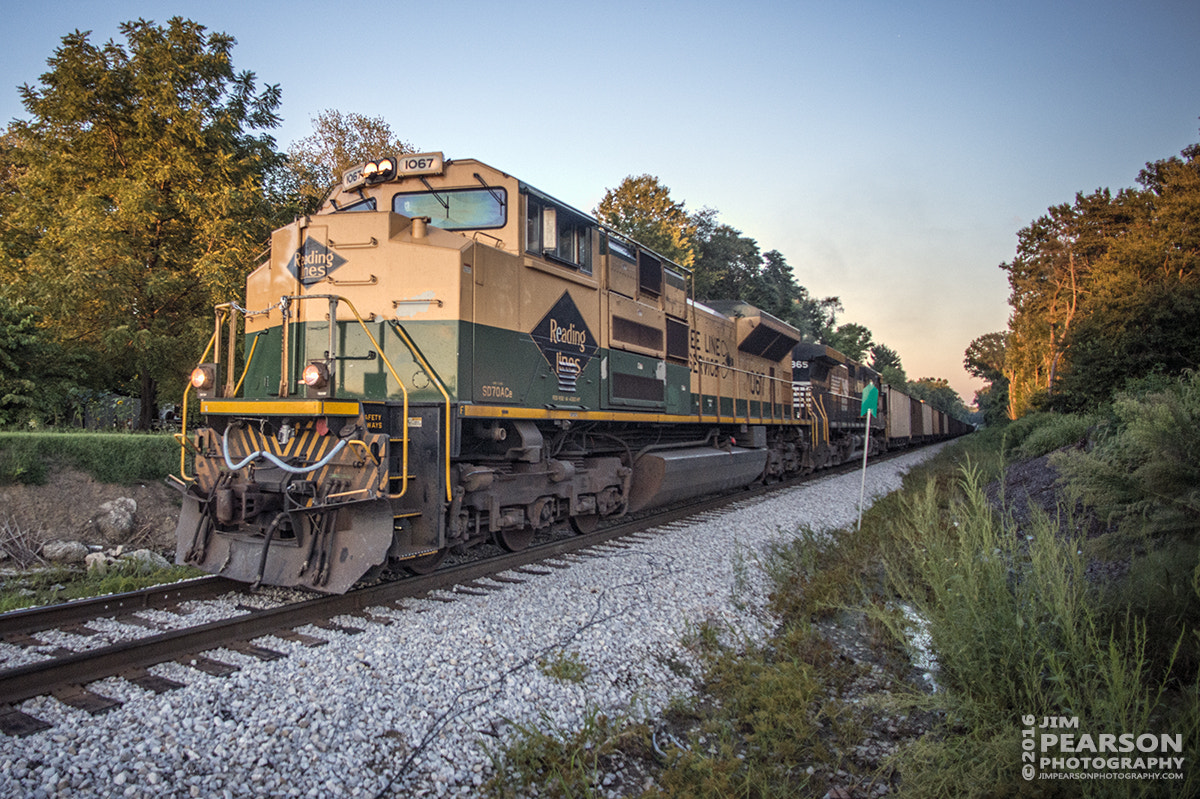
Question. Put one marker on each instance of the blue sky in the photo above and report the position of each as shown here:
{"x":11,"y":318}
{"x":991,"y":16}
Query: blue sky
{"x":891,"y":151}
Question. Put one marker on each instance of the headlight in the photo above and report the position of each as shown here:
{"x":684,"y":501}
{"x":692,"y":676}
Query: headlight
{"x":204,"y":379}
{"x":316,"y":375}
{"x":379,"y":170}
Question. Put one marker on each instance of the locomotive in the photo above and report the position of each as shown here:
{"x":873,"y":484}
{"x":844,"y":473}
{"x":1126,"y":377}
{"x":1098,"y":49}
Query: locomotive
{"x":444,"y":355}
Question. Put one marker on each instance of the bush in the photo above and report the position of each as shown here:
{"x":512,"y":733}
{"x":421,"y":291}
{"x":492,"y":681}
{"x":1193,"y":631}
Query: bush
{"x":37,"y":375}
{"x":1055,"y":431}
{"x":1145,"y":467}
{"x":1040,"y":433}
{"x":121,"y":458}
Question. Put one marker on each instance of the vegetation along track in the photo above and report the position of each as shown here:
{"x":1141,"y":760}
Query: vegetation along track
{"x":66,"y":675}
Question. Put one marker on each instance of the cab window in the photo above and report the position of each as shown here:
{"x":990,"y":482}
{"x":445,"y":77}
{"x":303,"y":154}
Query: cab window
{"x":455,"y":209}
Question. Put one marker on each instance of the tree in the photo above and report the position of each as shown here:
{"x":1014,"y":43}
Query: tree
{"x":886,"y":361}
{"x":1144,"y":303}
{"x":727,"y":264}
{"x":141,"y":195}
{"x":984,"y":358}
{"x":782,"y":296}
{"x":35,"y":373}
{"x":338,"y":142}
{"x":812,"y":316}
{"x":936,"y":391}
{"x":852,"y":340}
{"x":1051,"y":279}
{"x":1105,"y":291}
{"x":642,"y":208}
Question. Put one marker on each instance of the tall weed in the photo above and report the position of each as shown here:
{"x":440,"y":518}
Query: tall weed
{"x":1018,"y":630}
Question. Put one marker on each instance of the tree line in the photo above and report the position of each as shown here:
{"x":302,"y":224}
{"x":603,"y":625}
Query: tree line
{"x":144,"y":186}
{"x":1105,"y":296}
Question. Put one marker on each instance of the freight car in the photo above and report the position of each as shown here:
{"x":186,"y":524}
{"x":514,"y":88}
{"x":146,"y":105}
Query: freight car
{"x":444,"y":355}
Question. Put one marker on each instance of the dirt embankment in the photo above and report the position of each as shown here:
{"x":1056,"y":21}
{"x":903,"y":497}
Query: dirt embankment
{"x":68,"y":505}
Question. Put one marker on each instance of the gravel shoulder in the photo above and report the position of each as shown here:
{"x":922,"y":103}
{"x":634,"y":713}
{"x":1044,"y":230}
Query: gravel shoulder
{"x":411,"y":708}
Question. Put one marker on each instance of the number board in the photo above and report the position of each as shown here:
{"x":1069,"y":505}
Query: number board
{"x":420,"y":164}
{"x":417,"y":164}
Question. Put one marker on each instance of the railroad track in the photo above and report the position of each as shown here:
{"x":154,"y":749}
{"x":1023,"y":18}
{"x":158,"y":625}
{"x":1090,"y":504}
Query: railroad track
{"x":66,"y":674}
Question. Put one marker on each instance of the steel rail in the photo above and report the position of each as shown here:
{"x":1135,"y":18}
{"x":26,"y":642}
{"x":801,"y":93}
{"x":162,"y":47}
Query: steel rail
{"x":49,"y":617}
{"x":45,"y":677}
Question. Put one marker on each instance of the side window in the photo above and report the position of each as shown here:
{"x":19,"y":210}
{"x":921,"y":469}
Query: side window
{"x":367,"y":204}
{"x":558,"y":234}
{"x":650,"y":273}
{"x":622,"y":249}
{"x":533,"y":226}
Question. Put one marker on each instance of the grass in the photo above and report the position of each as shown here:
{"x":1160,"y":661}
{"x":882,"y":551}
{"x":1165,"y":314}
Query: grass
{"x":564,"y":666}
{"x":61,"y":584}
{"x":565,"y":763}
{"x":121,"y":458}
{"x":1018,"y":624}
{"x":1018,"y":630}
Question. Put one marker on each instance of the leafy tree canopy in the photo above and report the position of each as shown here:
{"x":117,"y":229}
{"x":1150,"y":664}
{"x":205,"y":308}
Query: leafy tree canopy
{"x":936,"y":391}
{"x":338,"y":142}
{"x":1106,"y":290}
{"x":852,"y":340}
{"x":142,"y":199}
{"x":886,"y":361}
{"x":642,"y":208}
{"x":729,"y":266}
{"x":35,"y":373}
{"x":984,"y":357}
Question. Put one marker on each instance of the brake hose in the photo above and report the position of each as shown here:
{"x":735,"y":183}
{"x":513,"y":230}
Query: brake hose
{"x":275,"y":460}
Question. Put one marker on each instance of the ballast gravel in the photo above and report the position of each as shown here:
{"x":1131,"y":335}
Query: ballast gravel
{"x":416,"y":707}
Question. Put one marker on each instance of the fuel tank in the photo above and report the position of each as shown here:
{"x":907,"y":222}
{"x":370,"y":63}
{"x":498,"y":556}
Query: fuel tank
{"x":671,"y":475}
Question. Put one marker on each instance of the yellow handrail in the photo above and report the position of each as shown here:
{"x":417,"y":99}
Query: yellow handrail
{"x":823,"y":416}
{"x":390,"y":368}
{"x":437,"y":381}
{"x":246,"y":368}
{"x":181,"y":436}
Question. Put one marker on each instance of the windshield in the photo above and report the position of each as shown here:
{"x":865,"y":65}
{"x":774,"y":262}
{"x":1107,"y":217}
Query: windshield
{"x":455,"y":209}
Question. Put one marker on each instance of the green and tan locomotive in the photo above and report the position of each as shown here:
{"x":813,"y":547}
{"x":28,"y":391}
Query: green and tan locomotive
{"x":444,"y":355}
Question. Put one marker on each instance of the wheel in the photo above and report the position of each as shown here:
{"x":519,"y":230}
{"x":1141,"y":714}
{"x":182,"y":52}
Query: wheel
{"x":515,"y":539}
{"x":582,"y":525}
{"x":425,"y":564}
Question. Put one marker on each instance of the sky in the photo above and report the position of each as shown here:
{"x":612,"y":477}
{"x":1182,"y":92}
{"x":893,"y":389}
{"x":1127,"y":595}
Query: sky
{"x":890,"y":151}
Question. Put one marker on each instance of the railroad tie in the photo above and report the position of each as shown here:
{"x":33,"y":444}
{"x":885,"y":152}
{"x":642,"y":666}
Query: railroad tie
{"x":18,"y":723}
{"x":79,"y":697}
{"x":150,"y":682}
{"x":217,"y":668}
{"x":300,"y":638}
{"x":254,"y":650}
